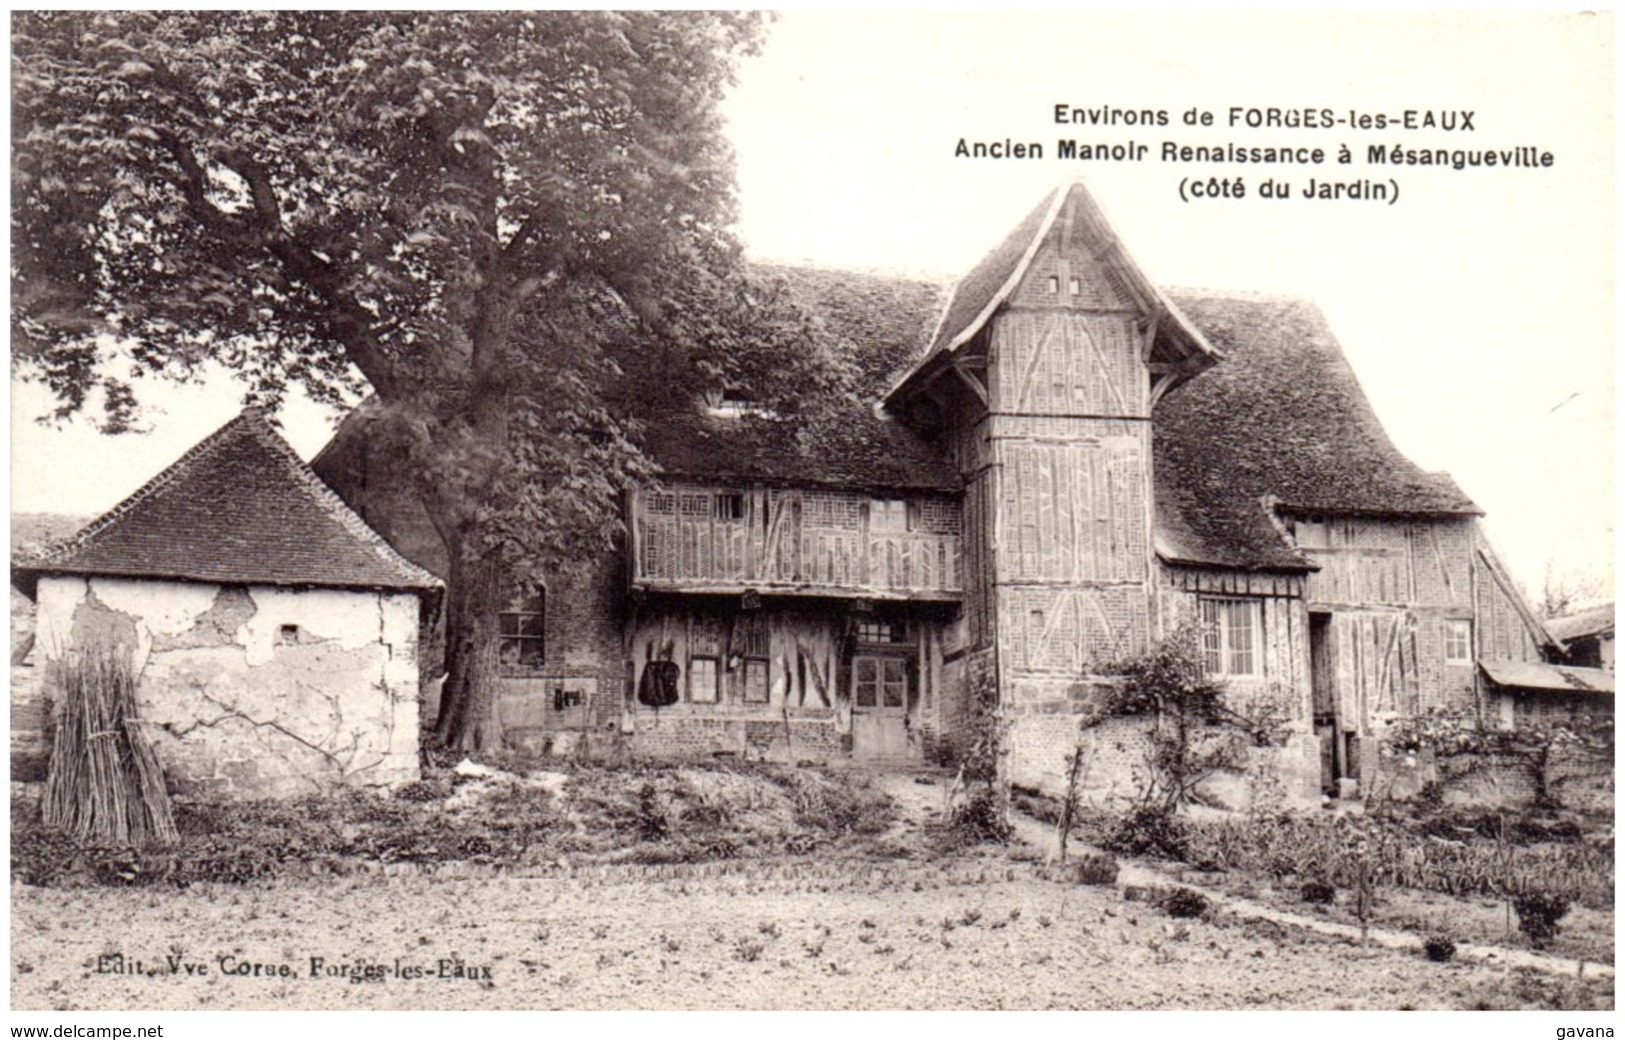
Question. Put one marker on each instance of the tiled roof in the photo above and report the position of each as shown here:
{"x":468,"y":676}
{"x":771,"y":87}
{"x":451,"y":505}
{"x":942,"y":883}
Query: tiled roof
{"x":240,"y":508}
{"x":990,"y":278}
{"x":1282,"y":419}
{"x":878,"y":322}
{"x":1279,"y":419}
{"x":980,"y":294}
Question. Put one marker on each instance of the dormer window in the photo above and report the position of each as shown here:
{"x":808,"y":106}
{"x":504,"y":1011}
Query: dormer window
{"x":730,"y":408}
{"x":727,"y":404}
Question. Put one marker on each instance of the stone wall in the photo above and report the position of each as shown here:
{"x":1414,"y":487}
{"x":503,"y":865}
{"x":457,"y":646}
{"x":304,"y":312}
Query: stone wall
{"x":30,"y":724}
{"x":1582,"y":780}
{"x":254,"y":691}
{"x":1115,"y":767}
{"x":679,"y":732}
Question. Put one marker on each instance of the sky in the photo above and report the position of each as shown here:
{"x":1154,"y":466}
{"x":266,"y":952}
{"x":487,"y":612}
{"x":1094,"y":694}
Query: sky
{"x":1476,"y":309}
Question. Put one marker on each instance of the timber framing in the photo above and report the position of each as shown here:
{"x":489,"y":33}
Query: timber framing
{"x":1071,"y":216}
{"x":1054,"y":465}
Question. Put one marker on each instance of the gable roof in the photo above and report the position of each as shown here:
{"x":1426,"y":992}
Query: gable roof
{"x":240,"y":508}
{"x":1281,"y":422}
{"x":980,"y":294}
{"x":878,"y":322}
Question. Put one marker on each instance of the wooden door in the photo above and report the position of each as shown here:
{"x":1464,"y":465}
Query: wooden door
{"x":880,"y":695}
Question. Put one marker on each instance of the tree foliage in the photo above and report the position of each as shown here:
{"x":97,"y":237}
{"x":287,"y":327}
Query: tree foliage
{"x":513,"y":228}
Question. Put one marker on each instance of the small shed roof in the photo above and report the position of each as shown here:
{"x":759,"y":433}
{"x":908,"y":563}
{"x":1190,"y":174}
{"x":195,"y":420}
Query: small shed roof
{"x":1597,"y":621}
{"x":241,"y":507}
{"x":1536,"y":675}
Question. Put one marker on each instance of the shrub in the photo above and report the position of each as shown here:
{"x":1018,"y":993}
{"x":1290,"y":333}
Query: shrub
{"x":1317,"y":892}
{"x":651,"y":818}
{"x":41,"y":855}
{"x":1148,"y":831}
{"x":1095,"y":868}
{"x":1538,"y":914}
{"x":981,"y":820}
{"x":1438,"y":948}
{"x":1184,"y":902}
{"x":423,"y":791}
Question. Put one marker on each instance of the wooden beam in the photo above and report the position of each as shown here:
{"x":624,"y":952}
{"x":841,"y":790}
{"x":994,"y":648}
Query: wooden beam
{"x":1152,"y":322}
{"x":764,"y":589}
{"x":970,"y":380}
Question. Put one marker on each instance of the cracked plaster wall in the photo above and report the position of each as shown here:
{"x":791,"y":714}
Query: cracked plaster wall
{"x":255,"y":691}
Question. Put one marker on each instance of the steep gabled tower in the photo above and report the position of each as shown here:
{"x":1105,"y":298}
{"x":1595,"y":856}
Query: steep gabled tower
{"x":1041,"y":377}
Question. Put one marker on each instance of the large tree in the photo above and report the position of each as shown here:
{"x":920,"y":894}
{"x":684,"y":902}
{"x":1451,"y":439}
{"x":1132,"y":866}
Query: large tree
{"x":508,"y":227}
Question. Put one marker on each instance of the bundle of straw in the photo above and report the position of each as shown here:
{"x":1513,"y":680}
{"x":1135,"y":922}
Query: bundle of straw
{"x":104,"y":780}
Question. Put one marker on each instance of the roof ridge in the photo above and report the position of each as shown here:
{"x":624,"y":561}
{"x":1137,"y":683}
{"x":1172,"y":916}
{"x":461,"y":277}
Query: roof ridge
{"x":1253,"y":295}
{"x":942,"y":279}
{"x":328,"y":500}
{"x":1052,"y":208}
{"x":165,"y":477}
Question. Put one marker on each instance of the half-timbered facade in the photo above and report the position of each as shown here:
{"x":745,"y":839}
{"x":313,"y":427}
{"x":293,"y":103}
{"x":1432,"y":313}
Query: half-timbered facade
{"x":1058,"y":464}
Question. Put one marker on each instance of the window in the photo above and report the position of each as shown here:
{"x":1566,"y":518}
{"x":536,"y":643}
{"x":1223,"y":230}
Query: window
{"x":702,"y":680}
{"x":756,"y":686}
{"x":1458,"y":642}
{"x":892,"y":514}
{"x":879,"y":682}
{"x":1311,"y":534}
{"x":883,"y":632}
{"x":734,"y":404}
{"x":1230,"y":636}
{"x":521,"y":628}
{"x":728,"y":507}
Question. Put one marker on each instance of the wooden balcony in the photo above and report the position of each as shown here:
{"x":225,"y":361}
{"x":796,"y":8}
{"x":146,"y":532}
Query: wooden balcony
{"x":793,"y":543}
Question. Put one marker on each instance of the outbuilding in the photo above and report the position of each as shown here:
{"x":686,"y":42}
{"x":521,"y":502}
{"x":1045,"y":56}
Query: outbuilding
{"x":274,"y":636}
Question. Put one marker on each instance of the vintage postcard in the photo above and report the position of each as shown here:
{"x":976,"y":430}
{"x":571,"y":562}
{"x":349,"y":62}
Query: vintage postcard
{"x":977,"y":510}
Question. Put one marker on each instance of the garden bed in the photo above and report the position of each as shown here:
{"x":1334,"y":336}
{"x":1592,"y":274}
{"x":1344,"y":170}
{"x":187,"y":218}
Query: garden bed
{"x":494,"y":820}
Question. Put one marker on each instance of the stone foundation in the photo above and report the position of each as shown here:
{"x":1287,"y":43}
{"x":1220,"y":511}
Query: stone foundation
{"x":676,"y":734}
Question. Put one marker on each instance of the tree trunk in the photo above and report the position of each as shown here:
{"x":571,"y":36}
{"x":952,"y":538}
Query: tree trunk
{"x":468,"y":718}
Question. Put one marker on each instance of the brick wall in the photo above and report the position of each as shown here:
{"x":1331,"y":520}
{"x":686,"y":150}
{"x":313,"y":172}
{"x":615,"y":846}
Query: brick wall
{"x":581,"y":685}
